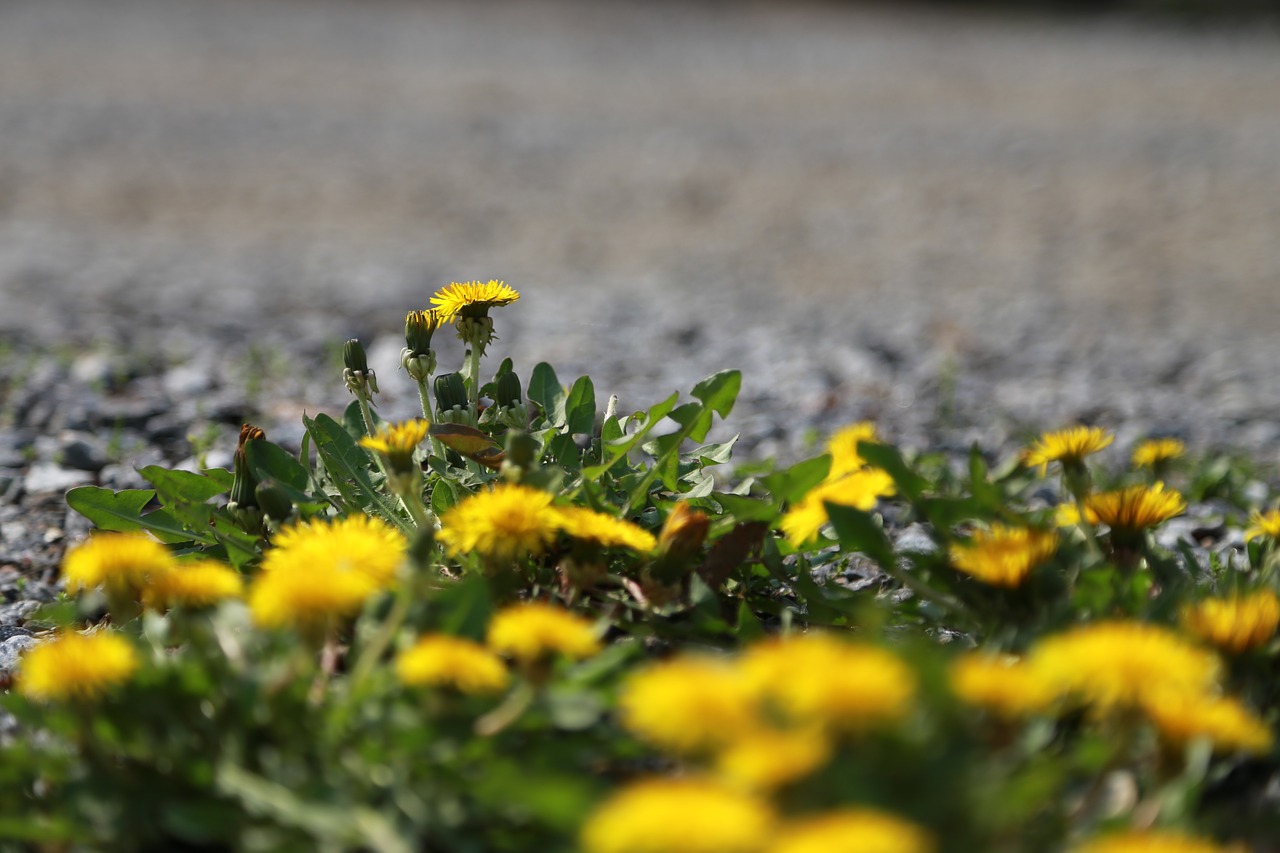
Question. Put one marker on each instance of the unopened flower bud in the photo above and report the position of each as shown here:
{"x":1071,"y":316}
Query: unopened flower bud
{"x":360,"y":380}
{"x":419,"y":326}
{"x":273,"y":500}
{"x":451,"y":392}
{"x":506,"y":389}
{"x":244,"y":483}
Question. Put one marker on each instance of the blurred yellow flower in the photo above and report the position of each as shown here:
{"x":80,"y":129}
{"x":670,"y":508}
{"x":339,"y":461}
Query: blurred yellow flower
{"x":396,"y":442}
{"x":843,"y":447}
{"x":605,"y":530}
{"x":1001,"y":684}
{"x":1003,"y":556}
{"x":194,"y":583}
{"x":120,"y":562}
{"x":1156,"y":841}
{"x":302,"y":596}
{"x":1118,"y":664}
{"x":767,"y":758}
{"x":1224,"y":722}
{"x":817,"y":679}
{"x":1263,"y":524}
{"x":1068,"y":446}
{"x":534,"y":630}
{"x":471,"y":299}
{"x":441,"y":660}
{"x":861,"y":489}
{"x":357,"y":543}
{"x":76,"y":667}
{"x":689,"y":704}
{"x":1152,"y":452}
{"x":678,"y":816}
{"x":1236,"y":624}
{"x":504,"y":523}
{"x":1134,"y":508}
{"x":852,"y":829}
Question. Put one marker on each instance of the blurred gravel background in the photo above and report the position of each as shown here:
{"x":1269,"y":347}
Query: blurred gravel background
{"x":965,"y":226}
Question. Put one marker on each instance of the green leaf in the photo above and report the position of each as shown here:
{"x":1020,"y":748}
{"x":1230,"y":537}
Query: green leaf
{"x":347,"y":465}
{"x":173,"y":485}
{"x":122,"y":512}
{"x":564,"y":451}
{"x":618,"y":449}
{"x":270,"y":461}
{"x":353,"y":420}
{"x":546,"y":391}
{"x":859,"y":531}
{"x":443,"y":496}
{"x":221,"y":476}
{"x":714,"y":454}
{"x":793,"y":483}
{"x":719,"y":392}
{"x":580,"y":408}
{"x":909,"y":483}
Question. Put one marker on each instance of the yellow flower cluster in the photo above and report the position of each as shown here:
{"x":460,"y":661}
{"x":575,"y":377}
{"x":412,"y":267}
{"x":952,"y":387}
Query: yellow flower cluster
{"x":849,"y":482}
{"x":1235,"y":624}
{"x":509,"y":522}
{"x":441,"y":660}
{"x":533,"y":631}
{"x":1117,"y":666}
{"x":1004,"y":556}
{"x":319,"y":570}
{"x":1155,"y":841}
{"x":1068,"y":446}
{"x":76,"y":667}
{"x":139,"y":567}
{"x":196,"y":583}
{"x":1156,"y":451}
{"x":769,"y":716}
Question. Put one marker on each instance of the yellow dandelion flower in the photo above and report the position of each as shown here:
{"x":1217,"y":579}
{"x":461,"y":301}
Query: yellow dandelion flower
{"x":1155,"y":841}
{"x":1236,"y":624}
{"x":1068,"y":446}
{"x":604,"y":530}
{"x":689,"y":704}
{"x":534,"y":630}
{"x":441,"y":660}
{"x":861,"y":489}
{"x":769,"y":758}
{"x":503,"y":524}
{"x":301,"y":596}
{"x":357,"y":543}
{"x":1000,"y":684}
{"x":1154,"y":451}
{"x":820,"y":680}
{"x":122,"y":562}
{"x":1118,"y":663}
{"x":396,"y":442}
{"x":76,"y":667}
{"x":860,"y":830}
{"x":197,"y":583}
{"x":1066,"y":515}
{"x":471,"y":299}
{"x":1263,"y":524}
{"x":1004,"y":556}
{"x":843,"y":447}
{"x":678,"y":816}
{"x":1135,"y":508}
{"x":1224,"y":722}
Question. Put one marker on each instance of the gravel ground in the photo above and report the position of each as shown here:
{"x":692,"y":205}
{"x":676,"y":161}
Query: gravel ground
{"x":964,"y":228}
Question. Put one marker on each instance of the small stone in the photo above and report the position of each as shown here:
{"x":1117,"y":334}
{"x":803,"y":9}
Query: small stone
{"x":11,"y":651}
{"x":50,"y":477}
{"x":916,"y":540}
{"x":83,"y":451}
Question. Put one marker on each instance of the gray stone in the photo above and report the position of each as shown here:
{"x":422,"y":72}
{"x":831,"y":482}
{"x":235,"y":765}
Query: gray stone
{"x":83,"y":451}
{"x":50,"y":477}
{"x":11,"y":651}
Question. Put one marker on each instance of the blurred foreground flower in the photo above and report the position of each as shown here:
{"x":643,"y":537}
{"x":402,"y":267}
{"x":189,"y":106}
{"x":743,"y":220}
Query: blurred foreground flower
{"x":1156,"y":451}
{"x":1263,"y":524}
{"x":1134,"y":509}
{"x":119,"y":562}
{"x":534,"y":631}
{"x":861,"y":830}
{"x":197,"y":583}
{"x":441,"y":660}
{"x":1236,"y":624}
{"x":689,"y":704}
{"x":1068,"y":446}
{"x":1001,"y":684}
{"x":861,"y":490}
{"x":678,"y":816}
{"x":843,"y":447}
{"x":1156,"y":841}
{"x":76,"y":667}
{"x":604,"y":530}
{"x":1003,"y":556}
{"x":1223,"y":722}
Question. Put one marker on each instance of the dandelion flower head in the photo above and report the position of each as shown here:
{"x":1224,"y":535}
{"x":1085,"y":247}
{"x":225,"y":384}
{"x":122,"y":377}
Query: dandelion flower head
{"x":817,"y":679}
{"x":116,"y":561}
{"x":396,"y":442}
{"x":689,"y":704}
{"x":1134,"y":508}
{"x":767,"y":758}
{"x":861,"y":490}
{"x":604,"y":530}
{"x":1263,"y":524}
{"x":1118,"y":663}
{"x":76,"y":667}
{"x":1235,"y":624}
{"x":534,"y":630}
{"x":678,"y":816}
{"x":854,"y":829}
{"x":1224,"y":722}
{"x":843,"y":447}
{"x":1155,"y":841}
{"x":195,"y":583}
{"x":471,"y":299}
{"x":357,"y":543}
{"x":1004,"y":556}
{"x":1154,"y":451}
{"x":441,"y":660}
{"x":1068,"y":446}
{"x":1001,"y":684}
{"x":504,"y":523}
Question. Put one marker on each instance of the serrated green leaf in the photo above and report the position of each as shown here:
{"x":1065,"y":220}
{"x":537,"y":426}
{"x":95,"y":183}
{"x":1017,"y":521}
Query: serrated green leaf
{"x":176,"y":485}
{"x":348,"y":467}
{"x":122,"y":512}
{"x":719,"y":392}
{"x":270,"y":461}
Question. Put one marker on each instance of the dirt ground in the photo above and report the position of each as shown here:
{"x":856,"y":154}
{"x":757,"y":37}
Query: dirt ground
{"x":977,"y":178}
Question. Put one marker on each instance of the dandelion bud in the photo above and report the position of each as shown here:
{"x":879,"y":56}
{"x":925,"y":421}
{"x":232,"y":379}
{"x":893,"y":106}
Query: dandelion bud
{"x":452,"y":406}
{"x":506,"y":389}
{"x":419,"y":326}
{"x":273,"y":500}
{"x":419,"y":367}
{"x":360,"y":380}
{"x":353,"y":357}
{"x":242,"y":487}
